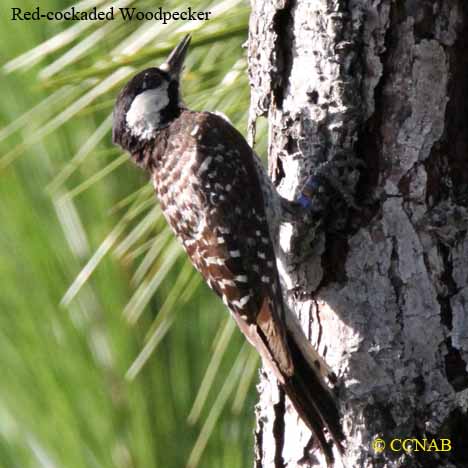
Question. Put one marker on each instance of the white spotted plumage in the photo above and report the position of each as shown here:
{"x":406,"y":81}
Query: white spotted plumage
{"x":204,"y":166}
{"x":201,"y":195}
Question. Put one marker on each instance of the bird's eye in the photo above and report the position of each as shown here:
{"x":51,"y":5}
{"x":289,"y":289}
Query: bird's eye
{"x":150,"y":82}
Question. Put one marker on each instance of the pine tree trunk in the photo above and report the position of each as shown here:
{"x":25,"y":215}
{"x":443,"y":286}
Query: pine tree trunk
{"x":383,"y":293}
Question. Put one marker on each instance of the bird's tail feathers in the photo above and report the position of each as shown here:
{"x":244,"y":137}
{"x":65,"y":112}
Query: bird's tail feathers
{"x":310,"y":354}
{"x":313,"y":400}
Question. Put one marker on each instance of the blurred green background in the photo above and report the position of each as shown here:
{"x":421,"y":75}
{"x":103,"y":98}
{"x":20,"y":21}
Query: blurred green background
{"x":112,"y":351}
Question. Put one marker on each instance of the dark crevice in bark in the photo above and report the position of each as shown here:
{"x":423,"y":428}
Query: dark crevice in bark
{"x":455,"y":368}
{"x":450,"y":154}
{"x":457,"y":112}
{"x":368,"y":148}
{"x":333,"y":259}
{"x":318,"y":324}
{"x":424,"y":14}
{"x":446,"y":315}
{"x":278,"y":430}
{"x":448,"y":281}
{"x":396,"y":282}
{"x":456,"y":429}
{"x":404,"y":186}
{"x":436,"y":166}
{"x":292,"y":145}
{"x":369,"y":144}
{"x":282,"y":24}
{"x":313,"y":96}
{"x":277,"y":171}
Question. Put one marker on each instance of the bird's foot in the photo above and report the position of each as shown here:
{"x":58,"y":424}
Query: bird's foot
{"x":340,"y":175}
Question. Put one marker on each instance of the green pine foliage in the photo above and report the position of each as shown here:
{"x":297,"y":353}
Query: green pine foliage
{"x":113,"y":352}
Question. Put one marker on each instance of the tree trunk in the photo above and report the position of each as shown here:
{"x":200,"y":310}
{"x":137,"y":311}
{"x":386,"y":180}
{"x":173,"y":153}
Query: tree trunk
{"x":382,"y":289}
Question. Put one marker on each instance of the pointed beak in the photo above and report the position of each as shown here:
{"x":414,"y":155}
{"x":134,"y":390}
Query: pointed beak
{"x":174,"y":63}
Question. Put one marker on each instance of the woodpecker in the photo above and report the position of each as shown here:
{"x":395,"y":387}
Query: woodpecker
{"x":209,"y":184}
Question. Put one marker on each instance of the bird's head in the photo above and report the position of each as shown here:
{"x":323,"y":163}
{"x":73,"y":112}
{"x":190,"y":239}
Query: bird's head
{"x":149,"y":101}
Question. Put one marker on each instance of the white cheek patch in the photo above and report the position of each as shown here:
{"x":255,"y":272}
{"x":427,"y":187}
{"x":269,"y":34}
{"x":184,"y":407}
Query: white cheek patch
{"x":143,"y":116}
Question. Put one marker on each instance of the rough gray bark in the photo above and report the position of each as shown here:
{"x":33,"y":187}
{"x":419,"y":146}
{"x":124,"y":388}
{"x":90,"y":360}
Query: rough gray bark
{"x":382,"y":290}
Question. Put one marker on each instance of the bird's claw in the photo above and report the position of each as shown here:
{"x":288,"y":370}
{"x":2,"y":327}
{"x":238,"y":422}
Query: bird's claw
{"x":329,"y":171}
